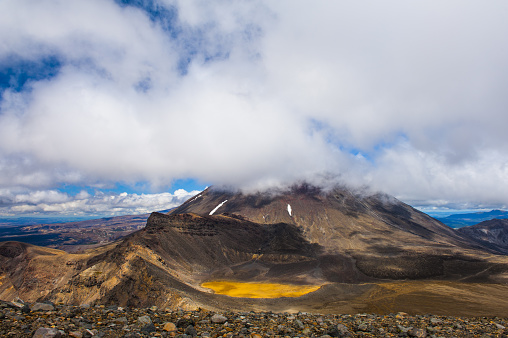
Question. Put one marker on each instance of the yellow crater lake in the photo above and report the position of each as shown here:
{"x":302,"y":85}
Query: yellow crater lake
{"x":259,"y":290}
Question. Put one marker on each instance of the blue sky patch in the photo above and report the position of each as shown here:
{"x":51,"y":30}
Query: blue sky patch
{"x":16,"y":73}
{"x":166,"y":17}
{"x":142,"y":187}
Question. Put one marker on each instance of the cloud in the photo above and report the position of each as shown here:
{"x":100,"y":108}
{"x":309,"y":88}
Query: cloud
{"x":408,"y":98}
{"x":429,"y":179}
{"x":51,"y":202}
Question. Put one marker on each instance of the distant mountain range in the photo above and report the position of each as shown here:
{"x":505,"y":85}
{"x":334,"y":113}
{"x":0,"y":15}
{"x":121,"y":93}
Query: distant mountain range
{"x":461,"y":220}
{"x":71,"y":236}
{"x":75,"y":236}
{"x":9,"y":221}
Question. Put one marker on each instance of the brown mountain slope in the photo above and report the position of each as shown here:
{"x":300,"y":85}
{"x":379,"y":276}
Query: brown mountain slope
{"x":385,"y":237}
{"x":31,"y":272}
{"x":339,"y":220}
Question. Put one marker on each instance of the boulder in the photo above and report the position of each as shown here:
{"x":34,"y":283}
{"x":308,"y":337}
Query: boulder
{"x":218,"y":319}
{"x":42,"y":307}
{"x":47,"y":332}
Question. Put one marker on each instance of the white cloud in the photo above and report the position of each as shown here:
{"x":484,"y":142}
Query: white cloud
{"x":408,"y":97}
{"x":52,"y":202}
{"x":36,"y":197}
{"x":427,"y":179}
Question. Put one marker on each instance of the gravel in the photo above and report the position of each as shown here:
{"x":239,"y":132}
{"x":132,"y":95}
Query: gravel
{"x":112,"y":321}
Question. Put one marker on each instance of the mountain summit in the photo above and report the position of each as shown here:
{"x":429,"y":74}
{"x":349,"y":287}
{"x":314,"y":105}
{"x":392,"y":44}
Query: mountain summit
{"x":341,"y":220}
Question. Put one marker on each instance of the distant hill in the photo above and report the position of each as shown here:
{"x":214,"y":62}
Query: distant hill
{"x":493,"y":233}
{"x":461,"y":220}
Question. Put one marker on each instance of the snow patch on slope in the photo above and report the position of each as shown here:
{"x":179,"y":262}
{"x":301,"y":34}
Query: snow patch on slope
{"x":195,"y":198}
{"x":290,"y":210}
{"x":217,"y":207}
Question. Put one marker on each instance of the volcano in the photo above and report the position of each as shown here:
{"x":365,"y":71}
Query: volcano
{"x":340,"y":220}
{"x":364,"y":252}
{"x":376,"y":234}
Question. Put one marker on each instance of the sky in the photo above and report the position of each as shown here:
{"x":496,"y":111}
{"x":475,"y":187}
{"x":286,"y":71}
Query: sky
{"x":117,"y":107}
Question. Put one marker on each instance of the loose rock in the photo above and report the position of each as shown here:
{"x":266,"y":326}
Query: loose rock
{"x":44,"y":332}
{"x":42,"y":307}
{"x":184,"y":322}
{"x":419,"y":333}
{"x":217,"y":318}
{"x":144,"y":320}
{"x":96,"y":321}
{"x":170,"y":327}
{"x":148,"y":328}
{"x":191,"y":331}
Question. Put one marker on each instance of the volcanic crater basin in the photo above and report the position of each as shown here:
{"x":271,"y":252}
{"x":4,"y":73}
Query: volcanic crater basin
{"x":259,"y":290}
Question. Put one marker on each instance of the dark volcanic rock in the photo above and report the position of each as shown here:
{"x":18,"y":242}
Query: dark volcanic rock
{"x":191,"y":331}
{"x":184,"y":322}
{"x":148,"y":328}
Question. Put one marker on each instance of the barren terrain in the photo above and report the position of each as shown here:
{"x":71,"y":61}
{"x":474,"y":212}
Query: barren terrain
{"x":361,"y":254}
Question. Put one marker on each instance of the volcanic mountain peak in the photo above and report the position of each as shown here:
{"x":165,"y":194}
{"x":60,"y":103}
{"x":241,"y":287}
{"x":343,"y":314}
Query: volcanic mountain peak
{"x":339,"y":219}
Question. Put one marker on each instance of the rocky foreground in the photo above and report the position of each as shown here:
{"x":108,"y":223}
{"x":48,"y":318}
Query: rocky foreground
{"x":18,"y":319}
